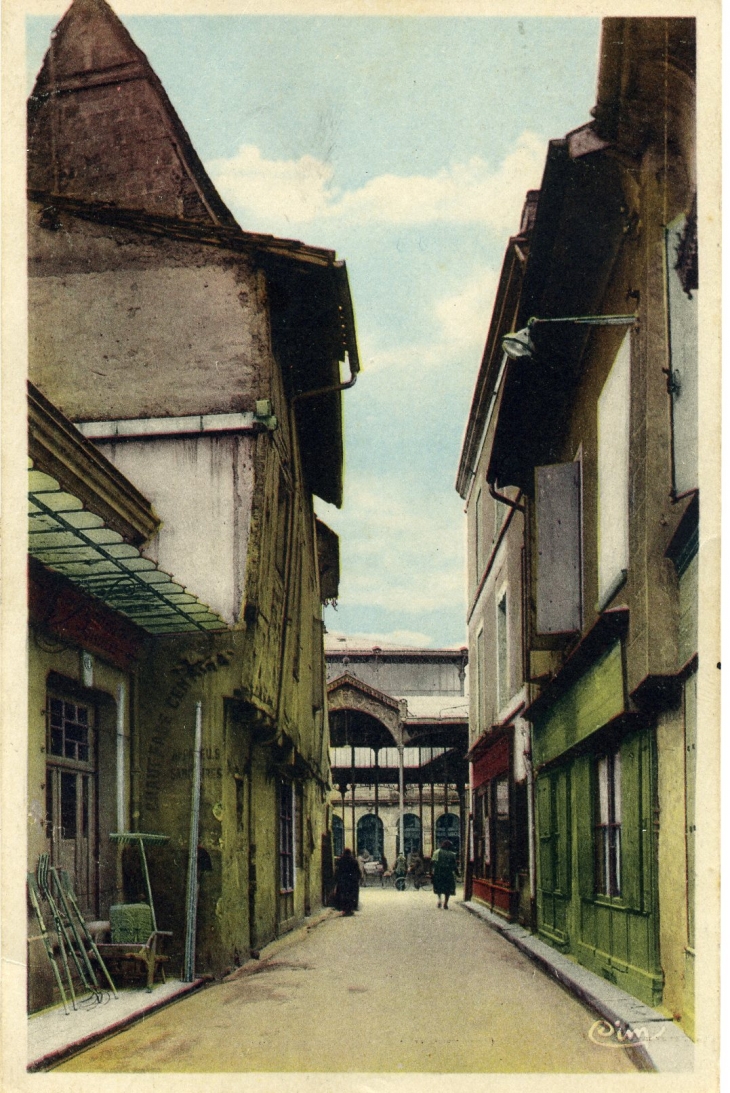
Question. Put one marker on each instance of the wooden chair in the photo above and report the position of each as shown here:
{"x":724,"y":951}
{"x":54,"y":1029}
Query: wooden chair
{"x":134,"y":939}
{"x":133,"y":926}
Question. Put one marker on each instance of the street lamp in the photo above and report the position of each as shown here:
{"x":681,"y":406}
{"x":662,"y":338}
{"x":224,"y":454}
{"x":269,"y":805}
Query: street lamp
{"x":520,"y":345}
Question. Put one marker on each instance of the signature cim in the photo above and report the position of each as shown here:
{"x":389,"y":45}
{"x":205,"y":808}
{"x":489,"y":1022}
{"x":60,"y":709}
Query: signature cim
{"x":605,"y":1034}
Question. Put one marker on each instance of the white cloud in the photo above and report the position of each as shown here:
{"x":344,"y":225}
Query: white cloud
{"x":465,"y":316}
{"x":270,"y":194}
{"x":396,"y":553}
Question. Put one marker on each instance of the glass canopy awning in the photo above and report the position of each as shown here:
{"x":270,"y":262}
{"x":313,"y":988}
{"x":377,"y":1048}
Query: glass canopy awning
{"x":66,"y":537}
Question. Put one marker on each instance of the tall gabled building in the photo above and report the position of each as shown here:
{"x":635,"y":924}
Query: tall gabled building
{"x":596,"y":426}
{"x":203,"y":361}
{"x":502,"y":870}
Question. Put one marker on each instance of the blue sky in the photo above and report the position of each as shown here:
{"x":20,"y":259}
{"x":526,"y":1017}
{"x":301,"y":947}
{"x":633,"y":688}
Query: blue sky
{"x":407,"y":145}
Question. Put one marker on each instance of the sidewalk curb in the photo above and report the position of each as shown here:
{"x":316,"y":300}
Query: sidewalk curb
{"x":270,"y":950}
{"x":667,"y":1048}
{"x":61,"y":1054}
{"x":76,"y":1047}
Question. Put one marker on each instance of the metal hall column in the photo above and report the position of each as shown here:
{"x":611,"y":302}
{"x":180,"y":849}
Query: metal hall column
{"x":400,"y":799}
{"x":378,"y":848}
{"x":352,"y":799}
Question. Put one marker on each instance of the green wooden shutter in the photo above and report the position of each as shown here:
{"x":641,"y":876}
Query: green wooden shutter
{"x":543,"y":805}
{"x":562,"y":840}
{"x":584,"y":825}
{"x":632,"y":862}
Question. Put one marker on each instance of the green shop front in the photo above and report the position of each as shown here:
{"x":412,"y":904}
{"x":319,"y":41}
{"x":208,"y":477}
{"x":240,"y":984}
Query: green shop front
{"x":595,"y":795}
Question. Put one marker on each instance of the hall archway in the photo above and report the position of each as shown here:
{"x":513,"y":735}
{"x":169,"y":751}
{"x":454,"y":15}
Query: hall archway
{"x":338,"y":836}
{"x":370,"y":835}
{"x":447,"y":827}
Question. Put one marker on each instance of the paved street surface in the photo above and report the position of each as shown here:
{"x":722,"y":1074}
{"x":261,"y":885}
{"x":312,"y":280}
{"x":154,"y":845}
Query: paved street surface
{"x":399,"y":987}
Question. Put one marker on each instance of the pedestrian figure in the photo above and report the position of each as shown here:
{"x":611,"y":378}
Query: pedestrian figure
{"x":418,"y":870}
{"x":347,"y":882}
{"x":443,"y":869}
{"x":399,"y":869}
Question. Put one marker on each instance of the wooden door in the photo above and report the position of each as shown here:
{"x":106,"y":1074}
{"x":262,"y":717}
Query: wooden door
{"x":71,"y":813}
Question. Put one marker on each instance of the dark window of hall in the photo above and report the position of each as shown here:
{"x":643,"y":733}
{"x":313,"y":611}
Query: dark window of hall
{"x":608,"y":824}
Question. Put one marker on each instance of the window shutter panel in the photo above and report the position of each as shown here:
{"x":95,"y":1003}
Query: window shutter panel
{"x":632,"y":880}
{"x":557,"y":490}
{"x":546,"y":879}
{"x":584,"y":823}
{"x":563,"y":839}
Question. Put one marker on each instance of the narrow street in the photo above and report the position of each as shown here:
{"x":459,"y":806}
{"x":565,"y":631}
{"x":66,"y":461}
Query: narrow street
{"x":399,"y":987}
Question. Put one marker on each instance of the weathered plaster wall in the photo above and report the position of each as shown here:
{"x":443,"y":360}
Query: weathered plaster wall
{"x":400,"y":677}
{"x":504,"y":547}
{"x":202,"y":490}
{"x":126,"y":325}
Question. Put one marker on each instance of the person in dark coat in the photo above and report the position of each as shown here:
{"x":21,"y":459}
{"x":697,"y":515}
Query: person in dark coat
{"x":347,"y":882}
{"x":443,"y":871}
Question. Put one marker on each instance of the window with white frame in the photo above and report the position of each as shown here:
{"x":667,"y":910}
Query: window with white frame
{"x":608,"y":824}
{"x":613,"y":475}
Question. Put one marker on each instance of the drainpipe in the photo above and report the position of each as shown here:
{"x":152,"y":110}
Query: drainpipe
{"x":354,"y":369}
{"x":121,"y":740}
{"x":531,"y":826}
{"x":504,"y":499}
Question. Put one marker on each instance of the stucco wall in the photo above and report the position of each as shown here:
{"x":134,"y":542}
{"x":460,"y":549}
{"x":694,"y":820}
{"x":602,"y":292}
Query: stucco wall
{"x":400,"y":677}
{"x":126,"y":325}
{"x":202,"y":490}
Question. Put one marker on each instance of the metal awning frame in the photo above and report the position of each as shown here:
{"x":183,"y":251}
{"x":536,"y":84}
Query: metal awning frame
{"x":73,"y":541}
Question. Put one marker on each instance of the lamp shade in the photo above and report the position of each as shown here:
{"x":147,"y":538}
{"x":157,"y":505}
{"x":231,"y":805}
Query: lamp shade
{"x":518,"y":344}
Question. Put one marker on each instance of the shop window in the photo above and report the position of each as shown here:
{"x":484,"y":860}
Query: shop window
{"x":613,"y":475}
{"x":492,"y":831}
{"x":286,"y":837}
{"x":608,"y":824}
{"x":558,"y":567}
{"x":481,"y":833}
{"x":501,"y":829}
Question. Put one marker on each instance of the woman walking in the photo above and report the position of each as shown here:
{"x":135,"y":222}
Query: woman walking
{"x":347,"y":878}
{"x":443,"y":868}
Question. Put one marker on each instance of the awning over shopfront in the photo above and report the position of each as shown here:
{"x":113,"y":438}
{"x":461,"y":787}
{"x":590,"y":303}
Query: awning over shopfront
{"x":65,"y":536}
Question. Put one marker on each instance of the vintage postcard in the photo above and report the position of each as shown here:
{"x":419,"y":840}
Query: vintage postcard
{"x":360,"y":544}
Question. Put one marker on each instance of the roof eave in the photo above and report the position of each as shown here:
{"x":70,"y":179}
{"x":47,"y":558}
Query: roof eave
{"x":57,"y":447}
